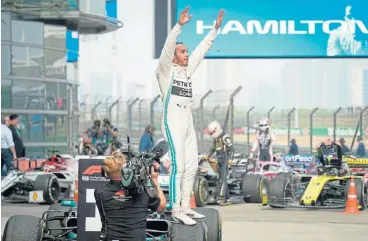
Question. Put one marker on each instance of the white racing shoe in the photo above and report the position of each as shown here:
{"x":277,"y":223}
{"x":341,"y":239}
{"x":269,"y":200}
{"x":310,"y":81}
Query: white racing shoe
{"x":183,"y":218}
{"x":193,"y":214}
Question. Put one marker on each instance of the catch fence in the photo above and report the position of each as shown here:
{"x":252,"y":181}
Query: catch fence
{"x":307,"y":126}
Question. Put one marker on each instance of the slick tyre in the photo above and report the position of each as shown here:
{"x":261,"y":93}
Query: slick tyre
{"x":255,"y":188}
{"x":49,"y":184}
{"x":280,"y":188}
{"x":181,"y":232}
{"x":201,"y":191}
{"x":213,"y":222}
{"x":362,"y":192}
{"x":23,"y":228}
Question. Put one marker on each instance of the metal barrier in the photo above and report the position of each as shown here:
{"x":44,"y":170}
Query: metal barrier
{"x":307,"y":126}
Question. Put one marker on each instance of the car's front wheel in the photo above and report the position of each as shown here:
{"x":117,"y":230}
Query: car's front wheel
{"x":23,"y":228}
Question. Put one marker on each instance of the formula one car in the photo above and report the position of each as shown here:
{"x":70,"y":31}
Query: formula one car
{"x":208,"y":178}
{"x":60,"y":222}
{"x":256,"y":182}
{"x":328,"y":189}
{"x":49,"y":183}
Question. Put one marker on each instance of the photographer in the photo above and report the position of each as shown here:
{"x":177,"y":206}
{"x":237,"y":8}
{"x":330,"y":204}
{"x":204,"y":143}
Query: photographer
{"x":124,"y":216}
{"x":94,"y":133}
{"x":110,"y":132}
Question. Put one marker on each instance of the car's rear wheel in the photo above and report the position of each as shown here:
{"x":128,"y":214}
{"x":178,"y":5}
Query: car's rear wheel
{"x":49,"y":184}
{"x":213,"y":222}
{"x":23,"y":228}
{"x":181,"y":232}
{"x":255,"y":188}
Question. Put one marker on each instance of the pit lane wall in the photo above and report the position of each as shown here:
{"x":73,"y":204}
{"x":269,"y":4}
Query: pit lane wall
{"x":132,"y":117}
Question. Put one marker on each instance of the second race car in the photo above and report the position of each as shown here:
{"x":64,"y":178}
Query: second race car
{"x":49,"y":183}
{"x":328,"y":189}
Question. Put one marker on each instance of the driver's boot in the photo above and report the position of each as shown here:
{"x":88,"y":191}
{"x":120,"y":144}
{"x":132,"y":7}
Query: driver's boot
{"x":180,"y":216}
{"x":223,"y":201}
{"x":190,"y":212}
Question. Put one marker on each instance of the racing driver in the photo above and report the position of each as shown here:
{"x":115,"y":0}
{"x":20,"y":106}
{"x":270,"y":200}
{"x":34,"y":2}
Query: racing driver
{"x":264,"y":140}
{"x":174,"y":73}
{"x":223,"y":146}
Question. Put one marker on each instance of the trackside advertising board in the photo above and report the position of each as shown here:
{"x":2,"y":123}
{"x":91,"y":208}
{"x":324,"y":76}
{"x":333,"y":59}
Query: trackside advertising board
{"x":280,"y":28}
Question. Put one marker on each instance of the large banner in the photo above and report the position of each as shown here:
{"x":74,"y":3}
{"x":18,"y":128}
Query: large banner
{"x":280,"y":29}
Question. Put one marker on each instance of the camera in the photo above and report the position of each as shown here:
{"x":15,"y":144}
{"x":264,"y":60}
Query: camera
{"x":97,"y":124}
{"x":106,"y":123}
{"x":135,"y":174}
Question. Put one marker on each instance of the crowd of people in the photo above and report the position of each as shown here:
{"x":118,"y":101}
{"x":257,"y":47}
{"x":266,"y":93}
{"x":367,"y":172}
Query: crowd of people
{"x":293,"y":148}
{"x":12,"y":146}
{"x":102,"y":137}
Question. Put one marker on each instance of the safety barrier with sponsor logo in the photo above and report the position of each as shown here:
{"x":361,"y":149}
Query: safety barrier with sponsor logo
{"x":357,"y":161}
{"x":90,"y":178}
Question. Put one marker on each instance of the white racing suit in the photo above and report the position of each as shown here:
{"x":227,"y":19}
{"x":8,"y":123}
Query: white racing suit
{"x":177,"y":121}
{"x":263,"y":143}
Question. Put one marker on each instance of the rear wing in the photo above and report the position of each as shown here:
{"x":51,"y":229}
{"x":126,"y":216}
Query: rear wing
{"x":356,"y":162}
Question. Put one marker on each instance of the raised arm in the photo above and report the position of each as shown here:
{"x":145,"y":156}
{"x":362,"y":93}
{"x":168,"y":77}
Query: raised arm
{"x":168,"y":51}
{"x":167,"y":54}
{"x":200,"y":52}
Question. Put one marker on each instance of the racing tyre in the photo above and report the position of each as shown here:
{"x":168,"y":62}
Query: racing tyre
{"x":280,"y":188}
{"x":255,"y":188}
{"x":50,"y":186}
{"x":181,"y":232}
{"x":362,"y":192}
{"x":213,"y":222}
{"x":201,"y":191}
{"x":23,"y":228}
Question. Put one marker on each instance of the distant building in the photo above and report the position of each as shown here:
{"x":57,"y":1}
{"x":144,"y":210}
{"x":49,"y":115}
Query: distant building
{"x":37,"y":82}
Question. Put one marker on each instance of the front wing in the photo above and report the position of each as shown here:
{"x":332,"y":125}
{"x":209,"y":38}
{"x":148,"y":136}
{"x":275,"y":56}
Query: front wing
{"x":293,"y":203}
{"x":310,"y":196}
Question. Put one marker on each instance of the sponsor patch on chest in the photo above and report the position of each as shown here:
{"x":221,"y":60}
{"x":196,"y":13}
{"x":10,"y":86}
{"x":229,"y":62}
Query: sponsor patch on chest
{"x":181,"y":88}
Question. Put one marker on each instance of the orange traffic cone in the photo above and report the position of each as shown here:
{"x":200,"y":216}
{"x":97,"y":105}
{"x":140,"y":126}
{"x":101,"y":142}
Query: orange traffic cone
{"x":192,"y":201}
{"x":352,"y":202}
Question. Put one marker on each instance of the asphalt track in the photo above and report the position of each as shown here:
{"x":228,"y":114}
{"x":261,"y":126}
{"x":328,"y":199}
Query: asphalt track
{"x":252,"y":222}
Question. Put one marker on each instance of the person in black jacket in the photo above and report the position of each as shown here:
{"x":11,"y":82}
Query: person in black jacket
{"x":123,"y":215}
{"x":19,"y":147}
{"x":344,"y":148}
{"x":360,"y":152}
{"x":293,"y":149}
